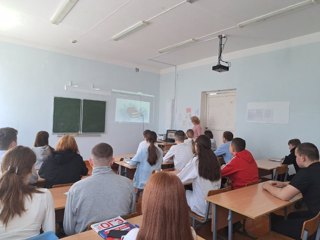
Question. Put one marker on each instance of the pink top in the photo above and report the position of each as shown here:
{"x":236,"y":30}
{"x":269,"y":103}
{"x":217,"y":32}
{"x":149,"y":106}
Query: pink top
{"x":197,"y":130}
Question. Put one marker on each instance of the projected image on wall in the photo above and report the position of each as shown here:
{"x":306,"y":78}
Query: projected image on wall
{"x":132,"y":111}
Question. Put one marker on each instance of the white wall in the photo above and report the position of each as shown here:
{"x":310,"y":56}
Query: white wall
{"x":291,"y":74}
{"x":30,"y":78}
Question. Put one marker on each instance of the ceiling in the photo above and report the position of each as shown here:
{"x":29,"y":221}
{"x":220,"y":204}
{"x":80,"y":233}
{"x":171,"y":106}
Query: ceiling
{"x":93,"y":22}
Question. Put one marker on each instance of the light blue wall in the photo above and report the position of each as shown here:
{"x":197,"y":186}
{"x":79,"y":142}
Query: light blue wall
{"x":291,"y":74}
{"x":30,"y":78}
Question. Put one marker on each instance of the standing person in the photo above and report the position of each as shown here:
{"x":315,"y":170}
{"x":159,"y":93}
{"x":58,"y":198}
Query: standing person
{"x":65,"y":165}
{"x":102,"y":196}
{"x":41,"y":148}
{"x":197,"y":129}
{"x":148,"y":159}
{"x":209,"y":134}
{"x":144,"y":142}
{"x":165,"y":211}
{"x":8,"y":139}
{"x":204,"y":174}
{"x":306,"y":182}
{"x":24,"y":210}
{"x":291,"y":158}
{"x":224,"y":149}
{"x":181,"y":153}
{"x":242,"y":169}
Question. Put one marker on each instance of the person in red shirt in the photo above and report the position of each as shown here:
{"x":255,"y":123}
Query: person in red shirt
{"x":242,"y":169}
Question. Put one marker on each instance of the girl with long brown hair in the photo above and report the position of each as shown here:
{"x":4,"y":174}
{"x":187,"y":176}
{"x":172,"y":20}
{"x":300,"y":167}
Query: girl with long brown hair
{"x":65,"y":165}
{"x":41,"y":148}
{"x":165,"y":211}
{"x":203,"y":172}
{"x":147,"y":159}
{"x":24,"y":210}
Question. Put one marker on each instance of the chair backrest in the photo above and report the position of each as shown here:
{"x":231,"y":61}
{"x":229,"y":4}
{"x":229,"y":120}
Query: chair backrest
{"x":310,"y":227}
{"x":62,"y":185}
{"x":281,"y":170}
{"x":214,"y":192}
{"x":45,"y":236}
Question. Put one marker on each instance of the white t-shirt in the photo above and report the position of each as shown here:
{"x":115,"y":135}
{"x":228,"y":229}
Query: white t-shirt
{"x":181,"y":153}
{"x":39,"y":214}
{"x":132,"y":235}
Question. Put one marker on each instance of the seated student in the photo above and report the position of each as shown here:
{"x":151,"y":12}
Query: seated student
{"x":291,"y":158}
{"x":180,"y":153}
{"x":209,"y":134}
{"x":165,"y":210}
{"x":242,"y":169}
{"x":307,"y":182}
{"x":144,"y":142}
{"x":8,"y":139}
{"x":204,"y":174}
{"x":65,"y":165}
{"x":189,"y":140}
{"x":41,"y":148}
{"x":224,"y":149}
{"x":148,"y":159}
{"x":24,"y":210}
{"x":102,"y":196}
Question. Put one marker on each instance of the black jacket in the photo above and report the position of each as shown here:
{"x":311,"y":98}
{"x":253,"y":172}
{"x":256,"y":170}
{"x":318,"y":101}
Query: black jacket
{"x":63,"y":167}
{"x":291,"y":159}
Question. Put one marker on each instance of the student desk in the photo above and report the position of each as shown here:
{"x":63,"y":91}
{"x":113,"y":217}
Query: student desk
{"x":94,"y":236}
{"x":266,"y":166}
{"x":251,"y":202}
{"x":59,"y":200}
{"x":165,"y":146}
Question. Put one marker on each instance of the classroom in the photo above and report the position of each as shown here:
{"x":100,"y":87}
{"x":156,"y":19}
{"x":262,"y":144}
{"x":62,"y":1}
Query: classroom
{"x":151,"y":64}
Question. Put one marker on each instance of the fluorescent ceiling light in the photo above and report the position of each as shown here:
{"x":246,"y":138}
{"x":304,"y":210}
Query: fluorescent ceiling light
{"x":62,"y":11}
{"x":276,"y":13}
{"x":129,"y":30}
{"x":8,"y":19}
{"x":177,"y":45}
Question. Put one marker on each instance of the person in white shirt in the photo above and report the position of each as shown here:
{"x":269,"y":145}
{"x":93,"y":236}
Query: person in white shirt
{"x":180,"y":153}
{"x":41,"y":148}
{"x":165,"y":210}
{"x":24,"y":209}
{"x":8,"y":139}
{"x":203,"y":172}
{"x":189,"y":140}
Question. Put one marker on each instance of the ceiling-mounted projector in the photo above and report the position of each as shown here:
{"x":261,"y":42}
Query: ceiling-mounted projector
{"x":222,"y":66}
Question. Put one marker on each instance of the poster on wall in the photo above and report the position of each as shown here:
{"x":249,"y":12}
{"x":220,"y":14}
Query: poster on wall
{"x":268,"y":112}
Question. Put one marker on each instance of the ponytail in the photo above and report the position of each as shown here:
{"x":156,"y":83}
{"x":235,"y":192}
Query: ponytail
{"x":152,"y":150}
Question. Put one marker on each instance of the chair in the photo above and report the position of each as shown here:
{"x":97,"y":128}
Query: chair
{"x":281,"y":171}
{"x":195,"y":217}
{"x":45,"y":236}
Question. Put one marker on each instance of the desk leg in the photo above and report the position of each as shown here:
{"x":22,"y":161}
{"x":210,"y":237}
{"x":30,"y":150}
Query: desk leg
{"x":230,"y":225}
{"x":214,"y":221}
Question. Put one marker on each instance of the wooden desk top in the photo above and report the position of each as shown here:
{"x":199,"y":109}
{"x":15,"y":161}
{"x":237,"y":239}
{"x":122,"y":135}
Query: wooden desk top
{"x":94,"y":236}
{"x":267,"y":164}
{"x":251,"y":201}
{"x":59,"y":196}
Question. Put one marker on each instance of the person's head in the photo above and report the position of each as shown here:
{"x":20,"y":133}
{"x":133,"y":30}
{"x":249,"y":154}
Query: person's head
{"x":195,"y":120}
{"x":209,"y":167}
{"x":67,"y":143}
{"x":208,"y":133}
{"x":179,"y":136}
{"x":165,"y":209}
{"x":102,"y":155}
{"x":152,"y":150}
{"x":190,"y":133}
{"x":42,"y":139}
{"x":237,"y":145}
{"x":293,"y":143}
{"x":227,"y":136}
{"x":16,"y":170}
{"x":146,"y":133}
{"x":306,"y":154}
{"x":8,"y":138}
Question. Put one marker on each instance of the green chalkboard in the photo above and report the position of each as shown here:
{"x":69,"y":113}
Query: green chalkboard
{"x":66,"y":115}
{"x":93,"y":116}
